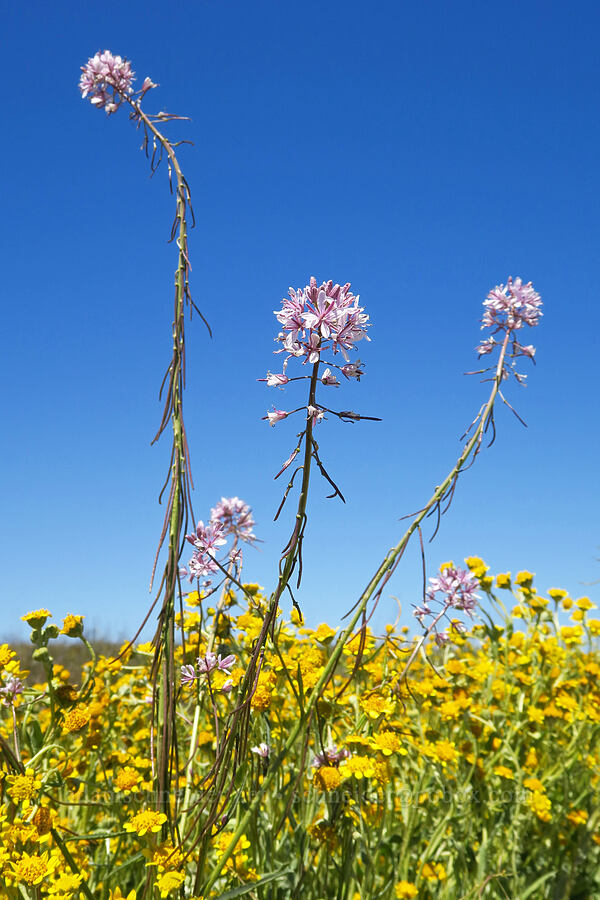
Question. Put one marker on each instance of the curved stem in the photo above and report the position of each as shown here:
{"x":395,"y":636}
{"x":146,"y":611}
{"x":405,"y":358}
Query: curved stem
{"x":376,"y":583}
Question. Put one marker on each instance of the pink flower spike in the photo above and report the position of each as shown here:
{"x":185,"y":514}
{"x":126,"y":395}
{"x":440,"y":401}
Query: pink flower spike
{"x":227,"y":686}
{"x":276,"y":416}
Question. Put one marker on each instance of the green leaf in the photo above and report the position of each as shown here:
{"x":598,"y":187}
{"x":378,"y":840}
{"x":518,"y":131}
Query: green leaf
{"x":246,"y":888}
{"x":536,"y":884}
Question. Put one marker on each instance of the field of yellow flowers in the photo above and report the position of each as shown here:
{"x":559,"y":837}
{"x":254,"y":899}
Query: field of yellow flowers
{"x":475,"y":776}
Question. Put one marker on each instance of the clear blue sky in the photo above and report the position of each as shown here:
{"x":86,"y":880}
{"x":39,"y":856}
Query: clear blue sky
{"x":422,"y":151}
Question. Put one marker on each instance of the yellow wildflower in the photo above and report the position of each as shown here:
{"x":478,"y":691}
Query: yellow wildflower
{"x":168,"y":882}
{"x":524,"y":579}
{"x":387,"y":742}
{"x":145,"y":821}
{"x":117,"y":895}
{"x":405,"y":890}
{"x":6,"y":655}
{"x":357,"y":767}
{"x":33,"y":869}
{"x":36,"y":618}
{"x":72,"y":626}
{"x":327,"y":778}
{"x":374,"y":705}
{"x":23,"y":787}
{"x":166,"y":857}
{"x":504,"y":772}
{"x":503,"y":580}
{"x":43,"y":819}
{"x":535,"y":715}
{"x":433,"y":872}
{"x":571,"y":635}
{"x":324,"y":634}
{"x":444,"y":752}
{"x":577,"y":817}
{"x":261,"y":698}
{"x":66,"y":883}
{"x":476,"y":565}
{"x":76,"y":719}
{"x":127,"y":780}
{"x":533,"y":784}
{"x":539,"y":803}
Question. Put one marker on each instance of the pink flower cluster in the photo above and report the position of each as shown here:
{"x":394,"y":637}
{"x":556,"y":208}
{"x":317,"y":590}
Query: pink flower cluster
{"x":459,"y":591}
{"x":231,"y":517}
{"x":506,"y":309}
{"x":108,"y":79}
{"x":236,"y":518}
{"x":318,"y":317}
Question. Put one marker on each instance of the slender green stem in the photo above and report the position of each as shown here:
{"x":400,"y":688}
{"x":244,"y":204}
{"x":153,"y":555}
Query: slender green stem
{"x":385,"y":569}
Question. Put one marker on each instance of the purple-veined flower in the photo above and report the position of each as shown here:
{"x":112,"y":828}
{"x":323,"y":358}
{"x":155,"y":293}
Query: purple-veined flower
{"x":275,"y":379}
{"x":353,"y":370}
{"x":331,"y":756}
{"x":261,"y":750}
{"x":276,"y":415}
{"x":329,"y":378}
{"x":315,"y":413}
{"x":188,"y":675}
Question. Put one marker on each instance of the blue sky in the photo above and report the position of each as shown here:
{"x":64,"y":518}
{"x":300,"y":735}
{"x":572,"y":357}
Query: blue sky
{"x":422,"y":151}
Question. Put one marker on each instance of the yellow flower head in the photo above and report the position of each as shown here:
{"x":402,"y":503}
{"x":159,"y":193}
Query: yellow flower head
{"x":76,"y":719}
{"x":166,"y":857}
{"x":33,"y":869}
{"x":23,"y":787}
{"x":169,"y":882}
{"x":327,"y":778}
{"x":6,"y":655}
{"x":524,"y":579}
{"x":405,"y":890}
{"x":578,"y":817}
{"x":324,"y":634}
{"x":433,"y":872}
{"x":503,"y":580}
{"x":539,"y":803}
{"x":145,"y":821}
{"x":72,"y":626}
{"x":127,"y":780}
{"x":36,"y":618}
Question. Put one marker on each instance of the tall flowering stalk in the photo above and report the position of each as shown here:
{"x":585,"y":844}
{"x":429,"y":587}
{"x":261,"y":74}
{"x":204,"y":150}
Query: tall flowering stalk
{"x":506,"y":310}
{"x":108,"y":81}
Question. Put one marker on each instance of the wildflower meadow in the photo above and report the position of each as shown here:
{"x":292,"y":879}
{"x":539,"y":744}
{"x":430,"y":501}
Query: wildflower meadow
{"x":236,"y":750}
